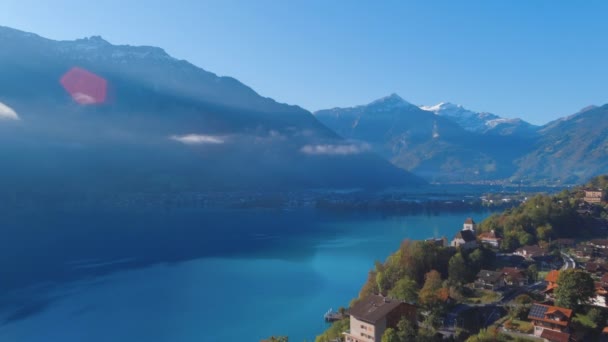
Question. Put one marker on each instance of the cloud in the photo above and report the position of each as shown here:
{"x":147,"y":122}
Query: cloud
{"x":336,"y":150}
{"x":83,"y":98}
{"x":7,"y":113}
{"x":198,"y":139}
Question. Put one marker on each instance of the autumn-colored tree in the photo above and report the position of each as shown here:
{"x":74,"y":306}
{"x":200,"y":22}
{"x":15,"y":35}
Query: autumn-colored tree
{"x":429,"y":294}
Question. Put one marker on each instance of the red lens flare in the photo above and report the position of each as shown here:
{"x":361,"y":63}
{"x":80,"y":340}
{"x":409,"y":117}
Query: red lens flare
{"x":85,"y":87}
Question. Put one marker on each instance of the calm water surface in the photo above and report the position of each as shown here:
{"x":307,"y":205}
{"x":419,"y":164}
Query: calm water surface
{"x":191,"y":275}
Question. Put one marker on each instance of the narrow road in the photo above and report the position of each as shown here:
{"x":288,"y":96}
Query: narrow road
{"x":568,"y":262}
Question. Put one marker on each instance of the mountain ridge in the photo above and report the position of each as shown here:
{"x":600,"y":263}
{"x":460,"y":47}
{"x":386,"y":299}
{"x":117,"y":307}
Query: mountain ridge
{"x":212,"y":132}
{"x":476,"y":147}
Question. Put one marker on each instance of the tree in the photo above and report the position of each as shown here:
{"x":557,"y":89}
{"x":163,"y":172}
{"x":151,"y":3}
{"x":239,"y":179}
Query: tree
{"x":427,"y":332}
{"x":277,"y":339}
{"x":509,"y":243}
{"x":457,"y":269}
{"x":522,"y":306}
{"x":532,"y":272}
{"x":429,"y":292}
{"x":335,"y":331}
{"x":525,"y":238}
{"x":595,"y":316}
{"x":381,"y":281}
{"x":390,"y":335}
{"x":432,"y":283}
{"x":405,"y":289}
{"x":574,"y":288}
{"x":407,"y":330}
{"x":544,"y":232}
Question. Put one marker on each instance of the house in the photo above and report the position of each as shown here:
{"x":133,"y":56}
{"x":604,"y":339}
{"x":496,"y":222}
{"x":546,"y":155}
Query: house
{"x":551,"y":280}
{"x":601,"y":291}
{"x":565,"y":243}
{"x":604,"y":280}
{"x":515,"y":276}
{"x":593,"y":195}
{"x":439,"y":242}
{"x":551,"y":322}
{"x":599,"y":243}
{"x":469,"y":224}
{"x":489,"y":280}
{"x":490,"y":239}
{"x":555,"y":336}
{"x":371,"y":316}
{"x":465,"y":239}
{"x":601,"y":253}
{"x":531,"y":252}
{"x":598,"y":268}
{"x":583,"y":251}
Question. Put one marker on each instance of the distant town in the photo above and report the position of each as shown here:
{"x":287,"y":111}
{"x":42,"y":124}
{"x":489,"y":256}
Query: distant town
{"x":430,"y":199}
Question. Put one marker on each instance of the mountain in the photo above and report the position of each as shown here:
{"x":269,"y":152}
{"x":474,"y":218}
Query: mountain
{"x":88,"y":116}
{"x":487,"y":123}
{"x":448,"y":143}
{"x":430,"y":145}
{"x":570,"y":150}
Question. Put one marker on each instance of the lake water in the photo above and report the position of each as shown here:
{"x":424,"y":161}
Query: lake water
{"x":191,"y":275}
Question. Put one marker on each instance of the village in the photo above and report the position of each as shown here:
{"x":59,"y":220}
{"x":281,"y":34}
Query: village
{"x":547,"y":291}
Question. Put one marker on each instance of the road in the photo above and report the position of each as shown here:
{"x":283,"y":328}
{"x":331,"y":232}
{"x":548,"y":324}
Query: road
{"x":569,"y":263}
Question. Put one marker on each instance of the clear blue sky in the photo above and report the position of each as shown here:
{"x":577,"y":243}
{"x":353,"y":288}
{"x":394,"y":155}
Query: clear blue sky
{"x":532,"y":59}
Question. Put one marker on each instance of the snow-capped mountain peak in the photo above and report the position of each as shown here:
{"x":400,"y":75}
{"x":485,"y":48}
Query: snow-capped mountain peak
{"x":474,"y":121}
{"x":449,"y":109}
{"x":442,"y":107}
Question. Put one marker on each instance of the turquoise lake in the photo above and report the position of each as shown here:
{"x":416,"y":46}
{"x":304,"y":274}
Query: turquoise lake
{"x":193,"y":275}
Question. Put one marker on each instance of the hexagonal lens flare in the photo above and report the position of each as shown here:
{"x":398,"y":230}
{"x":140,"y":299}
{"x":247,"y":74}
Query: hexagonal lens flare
{"x":85,"y":87}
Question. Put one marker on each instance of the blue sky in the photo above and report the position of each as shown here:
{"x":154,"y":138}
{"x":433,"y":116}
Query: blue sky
{"x":534,"y":59}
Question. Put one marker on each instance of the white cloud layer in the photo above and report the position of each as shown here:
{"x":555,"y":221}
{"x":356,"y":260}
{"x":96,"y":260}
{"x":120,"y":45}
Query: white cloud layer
{"x":198,"y":139}
{"x":337,"y":150}
{"x":83,"y":98}
{"x":7,"y":113}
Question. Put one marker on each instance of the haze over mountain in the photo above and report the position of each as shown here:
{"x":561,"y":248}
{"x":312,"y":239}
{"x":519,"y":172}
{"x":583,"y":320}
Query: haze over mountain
{"x":158,"y":124}
{"x":448,"y":143}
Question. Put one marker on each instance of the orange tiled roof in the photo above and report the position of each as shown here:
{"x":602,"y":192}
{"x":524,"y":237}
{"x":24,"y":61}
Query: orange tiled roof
{"x":551,"y":287}
{"x":555,"y":336}
{"x":552,"y":276}
{"x":489,"y":236}
{"x":537,"y":314}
